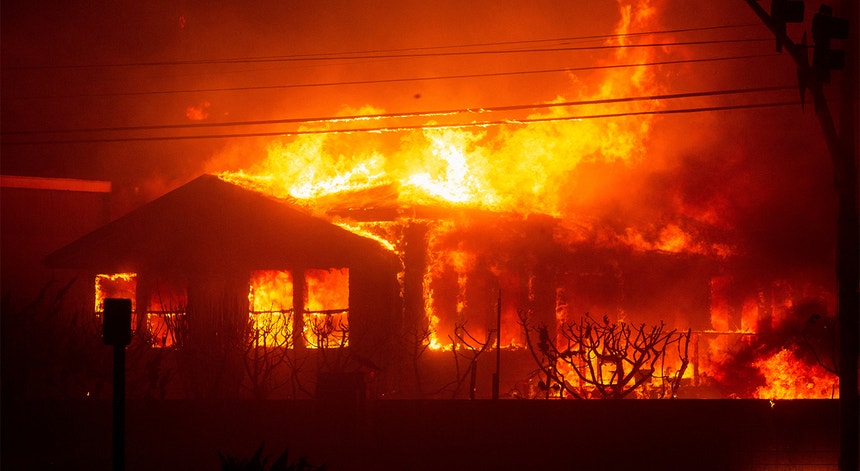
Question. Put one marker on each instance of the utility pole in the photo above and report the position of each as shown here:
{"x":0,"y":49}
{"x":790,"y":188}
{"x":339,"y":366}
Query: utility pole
{"x":116,"y":330}
{"x":849,"y":249}
{"x":497,"y":374}
{"x":842,"y":145}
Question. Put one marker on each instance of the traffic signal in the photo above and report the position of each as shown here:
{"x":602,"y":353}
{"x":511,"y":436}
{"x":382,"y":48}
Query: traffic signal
{"x":116,"y":326}
{"x":824,"y":28}
{"x":785,"y":11}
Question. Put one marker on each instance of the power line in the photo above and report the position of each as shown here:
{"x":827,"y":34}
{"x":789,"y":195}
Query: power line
{"x":392,"y":55}
{"x":534,"y":41}
{"x":417,"y":114}
{"x":407,"y":79}
{"x":381,"y":129}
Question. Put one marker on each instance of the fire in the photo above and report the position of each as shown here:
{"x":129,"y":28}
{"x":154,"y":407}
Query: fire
{"x":326,"y":321}
{"x":270,"y":299}
{"x":325,"y":309}
{"x":165,"y":316}
{"x":534,"y":162}
{"x":117,"y":285}
{"x":270,"y":291}
{"x":786,"y":377}
{"x":164,"y":312}
{"x":521,"y":166}
{"x":451,"y":173}
{"x":524,"y":166}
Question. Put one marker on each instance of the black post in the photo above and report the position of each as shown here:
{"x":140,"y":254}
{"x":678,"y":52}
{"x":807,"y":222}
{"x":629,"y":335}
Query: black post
{"x":849,"y":249}
{"x":116,"y":329}
{"x":118,"y":407}
{"x":496,"y":378}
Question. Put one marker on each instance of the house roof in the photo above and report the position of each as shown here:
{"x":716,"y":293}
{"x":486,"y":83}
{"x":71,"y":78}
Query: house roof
{"x":209,"y":224}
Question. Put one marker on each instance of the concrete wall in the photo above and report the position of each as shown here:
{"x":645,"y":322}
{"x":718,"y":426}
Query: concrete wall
{"x":432,"y":435}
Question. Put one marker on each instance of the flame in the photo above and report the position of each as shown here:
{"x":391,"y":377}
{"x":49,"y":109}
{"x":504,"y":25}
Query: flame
{"x":326,"y":321}
{"x":673,"y":239}
{"x":787,"y":377}
{"x":165,"y":314}
{"x":325,"y":308}
{"x":536,"y":162}
{"x":525,"y":165}
{"x":270,"y":291}
{"x":117,"y":285}
{"x":519,"y":167}
{"x":270,"y":302}
{"x":444,"y":281}
{"x":451,"y":169}
{"x":379,"y":232}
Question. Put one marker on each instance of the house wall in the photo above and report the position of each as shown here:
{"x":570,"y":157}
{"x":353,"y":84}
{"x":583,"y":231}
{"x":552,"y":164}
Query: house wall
{"x":37,"y":216}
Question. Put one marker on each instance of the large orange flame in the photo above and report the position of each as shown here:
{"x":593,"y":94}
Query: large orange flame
{"x":537,"y":162}
{"x":787,"y":377}
{"x":520,"y":166}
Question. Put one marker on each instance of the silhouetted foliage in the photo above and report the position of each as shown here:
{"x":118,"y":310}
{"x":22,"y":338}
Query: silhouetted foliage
{"x":59,"y":354}
{"x":821,"y":334}
{"x":605,"y":359}
{"x":258,"y":462}
{"x":470,"y":348}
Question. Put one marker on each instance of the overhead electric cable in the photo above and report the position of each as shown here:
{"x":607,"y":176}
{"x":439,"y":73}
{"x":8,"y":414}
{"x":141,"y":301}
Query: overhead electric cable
{"x":533,"y":41}
{"x":412,"y":127}
{"x":303,"y":58}
{"x":400,"y":115}
{"x":408,"y":79}
{"x":334,"y":55}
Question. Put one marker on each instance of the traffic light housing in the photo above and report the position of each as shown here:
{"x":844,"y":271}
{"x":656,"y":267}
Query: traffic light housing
{"x":116,"y":325}
{"x":785,"y":11}
{"x":826,"y":27}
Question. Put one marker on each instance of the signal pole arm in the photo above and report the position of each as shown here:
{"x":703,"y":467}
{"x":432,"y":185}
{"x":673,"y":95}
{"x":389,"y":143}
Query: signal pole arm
{"x":842,"y":146}
{"x":807,"y":78}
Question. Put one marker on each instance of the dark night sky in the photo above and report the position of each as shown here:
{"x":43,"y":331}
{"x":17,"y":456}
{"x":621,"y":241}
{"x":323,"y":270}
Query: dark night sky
{"x":110,"y":64}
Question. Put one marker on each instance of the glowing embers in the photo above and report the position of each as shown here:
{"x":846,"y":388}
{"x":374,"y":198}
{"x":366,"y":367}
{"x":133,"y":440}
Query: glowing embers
{"x":326,"y":318}
{"x":270,"y":300}
{"x":324,"y":305}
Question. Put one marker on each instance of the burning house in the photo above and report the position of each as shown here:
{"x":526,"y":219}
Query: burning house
{"x":406,"y":246}
{"x":201,"y":259}
{"x":245,"y":292}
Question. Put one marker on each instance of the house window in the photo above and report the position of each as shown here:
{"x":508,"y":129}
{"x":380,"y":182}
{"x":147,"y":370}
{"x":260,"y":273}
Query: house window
{"x":117,"y":285}
{"x":165,"y":310}
{"x":326,"y":314}
{"x":270,"y":300}
{"x":324,"y":306}
{"x":165,"y":318}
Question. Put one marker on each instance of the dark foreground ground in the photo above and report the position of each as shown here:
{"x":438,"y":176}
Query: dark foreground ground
{"x":432,"y":435}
